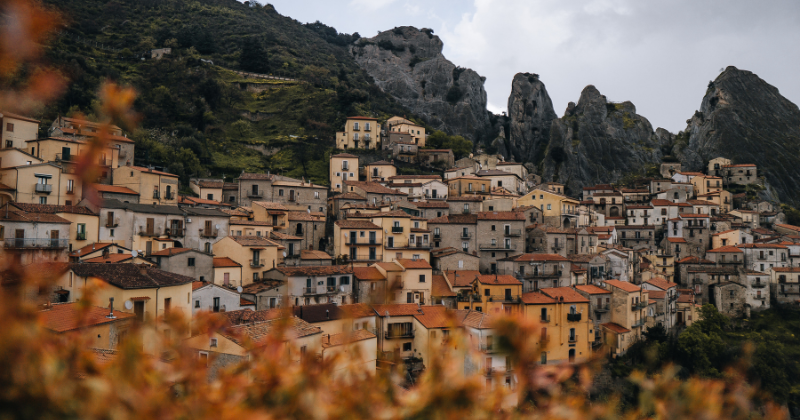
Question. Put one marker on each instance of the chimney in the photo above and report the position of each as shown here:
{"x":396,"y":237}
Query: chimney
{"x":110,"y":308}
{"x":327,"y":314}
{"x":143,"y":269}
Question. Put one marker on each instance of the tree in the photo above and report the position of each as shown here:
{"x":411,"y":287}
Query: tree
{"x":253,"y":56}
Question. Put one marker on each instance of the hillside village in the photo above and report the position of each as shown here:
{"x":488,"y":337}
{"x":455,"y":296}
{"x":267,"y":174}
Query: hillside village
{"x":385,"y":262}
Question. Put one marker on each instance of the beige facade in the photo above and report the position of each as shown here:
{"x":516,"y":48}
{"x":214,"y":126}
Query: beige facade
{"x":705,"y":184}
{"x":416,"y":133}
{"x":154,"y":187}
{"x":558,"y":210}
{"x":359,"y":133}
{"x":208,"y":189}
{"x":360,"y":240}
{"x":256,"y":255}
{"x":72,"y":150}
{"x":44,"y":183}
{"x":468,"y":185}
{"x":379,"y":171}
{"x":15,"y":130}
{"x":567,"y":329}
{"x":343,"y":166}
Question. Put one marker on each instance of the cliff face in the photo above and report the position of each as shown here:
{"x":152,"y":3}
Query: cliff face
{"x":530,"y":115}
{"x":408,"y":64}
{"x":745,"y":119}
{"x":600,"y":142}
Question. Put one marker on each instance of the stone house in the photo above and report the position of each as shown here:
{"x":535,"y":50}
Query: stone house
{"x":33,"y":237}
{"x":452,"y":259}
{"x":465,"y":204}
{"x":702,"y":277}
{"x":537,"y":271}
{"x":785,"y":285}
{"x":256,"y":255}
{"x":443,"y":158}
{"x":141,"y":226}
{"x":599,"y":307}
{"x":374,"y":193}
{"x":370,"y":285}
{"x":500,"y":234}
{"x":457,"y":231}
{"x":628,"y":312}
{"x":762,"y":257}
{"x":740,"y":174}
{"x":379,"y":171}
{"x":212,"y":298}
{"x":729,"y":298}
{"x":758,"y":290}
{"x":99,"y":327}
{"x":637,"y":237}
{"x":189,"y":262}
{"x":314,"y":285}
{"x":432,"y":209}
{"x":204,"y":227}
{"x":667,"y":304}
{"x":310,"y":227}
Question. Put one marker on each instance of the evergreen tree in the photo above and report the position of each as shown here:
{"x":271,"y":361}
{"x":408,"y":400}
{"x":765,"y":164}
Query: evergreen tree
{"x":254,"y":56}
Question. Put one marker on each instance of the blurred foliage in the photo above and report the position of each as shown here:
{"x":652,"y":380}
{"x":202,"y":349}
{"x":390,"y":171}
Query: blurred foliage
{"x":440,"y":140}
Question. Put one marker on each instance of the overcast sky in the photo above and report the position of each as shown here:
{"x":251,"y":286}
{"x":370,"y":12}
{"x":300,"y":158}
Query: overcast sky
{"x":659,"y":55}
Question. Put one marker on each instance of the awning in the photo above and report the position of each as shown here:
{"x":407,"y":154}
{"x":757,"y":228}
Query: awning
{"x":140,"y":299}
{"x":48,"y":176}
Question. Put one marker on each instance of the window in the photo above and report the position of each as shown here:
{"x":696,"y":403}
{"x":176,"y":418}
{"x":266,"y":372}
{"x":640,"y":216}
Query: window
{"x":197,"y":303}
{"x":407,"y":346}
{"x":42,"y":200}
{"x":316,"y":194}
{"x":191,"y":262}
{"x":203,"y":356}
{"x":167,"y":305}
{"x":10,"y":127}
{"x":213,"y":342}
{"x":549,"y":207}
{"x":422,"y":278}
{"x":344,"y":280}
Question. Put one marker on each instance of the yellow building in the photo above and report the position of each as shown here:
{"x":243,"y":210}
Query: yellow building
{"x":380,"y":171}
{"x":343,"y":166}
{"x":663,"y":265}
{"x":360,"y":240}
{"x":717,"y":165}
{"x":628,"y":316}
{"x":71,"y":150}
{"x":498,"y":294}
{"x":276,"y":214}
{"x":152,"y":293}
{"x":403,"y":126}
{"x":256,"y":255}
{"x":558,"y":210}
{"x":227,"y":272}
{"x":468,"y":185}
{"x":706,"y":184}
{"x":43,"y":183}
{"x":84,"y":226}
{"x":15,"y":130}
{"x":95,"y":326}
{"x":409,"y":280}
{"x":355,"y":352}
{"x":83,"y":129}
{"x":154,"y":187}
{"x":359,"y":133}
{"x":567,"y":330}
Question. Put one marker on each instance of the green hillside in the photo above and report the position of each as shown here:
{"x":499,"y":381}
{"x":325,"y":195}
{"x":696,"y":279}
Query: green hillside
{"x":204,"y":119}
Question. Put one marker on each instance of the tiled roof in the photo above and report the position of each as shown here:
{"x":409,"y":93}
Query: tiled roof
{"x":568,"y":294}
{"x":357,"y":310}
{"x":431,"y":204}
{"x":225,"y":262}
{"x":624,"y":285}
{"x":389,"y":266}
{"x":501,"y":215}
{"x":344,"y":155}
{"x":249,"y":223}
{"x":478,"y":320}
{"x":280,"y":236}
{"x":614,"y":327}
{"x":256,"y":177}
{"x":259,"y":331}
{"x":393,"y":213}
{"x":269,"y":205}
{"x":346,"y":338}
{"x":53,"y":209}
{"x":108,"y":259}
{"x":415,"y":177}
{"x":462,"y":278}
{"x":440,"y":288}
{"x":152,"y":171}
{"x":170,"y":252}
{"x":656,"y":294}
{"x":90,"y":248}
{"x":436,"y":317}
{"x":302,"y":216}
{"x":694,"y":260}
{"x":774,"y":246}
{"x":17,"y":116}
{"x":373,"y":187}
{"x":413,"y":264}
{"x":533,"y":298}
{"x":661,"y":283}
{"x":786,"y":226}
{"x":358,"y":117}
{"x":728,"y":248}
{"x":69,"y":316}
{"x":356,"y":224}
{"x":130,"y":276}
{"x":470,"y":198}
{"x":311,"y":254}
{"x":787,"y":269}
{"x":397,"y":309}
{"x":23,"y":216}
{"x":234,"y":212}
{"x":247,"y":316}
{"x":498,"y":279}
{"x":348,"y":196}
{"x":592,"y":289}
{"x":198,"y":284}
{"x":677,"y":240}
{"x":261,"y":286}
{"x":535,"y":257}
{"x":456,"y":219}
{"x":322,"y":270}
{"x":368,"y":274}
{"x":251,"y":241}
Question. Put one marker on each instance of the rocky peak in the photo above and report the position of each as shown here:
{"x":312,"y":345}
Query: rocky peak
{"x":530,"y":115}
{"x":407,"y":63}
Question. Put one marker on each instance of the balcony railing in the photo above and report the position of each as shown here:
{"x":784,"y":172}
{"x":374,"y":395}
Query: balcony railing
{"x":573,"y":339}
{"x":538,"y":274}
{"x":499,"y":246}
{"x":437,"y":236}
{"x":545,"y":319}
{"x":60,"y":157}
{"x":399,"y":334}
{"x":602,"y":308}
{"x":759,"y":285}
{"x":466,"y":235}
{"x":397,"y":229}
{"x":257,"y":262}
{"x":636,"y":306}
{"x":80,"y":236}
{"x":292,"y":198}
{"x":420,"y":245}
{"x":488,"y":348}
{"x":505,"y":298}
{"x":466,"y":298}
{"x":573,"y":317}
{"x":149,"y":232}
{"x":36,"y":243}
{"x":112,"y":223}
{"x":465,"y":211}
{"x":173,"y":231}
{"x":366,"y":258}
{"x":373,"y":242}
{"x":639,"y":323}
{"x":209,"y":233}
{"x":44,"y":188}
{"x":169,"y":195}
{"x":156,"y":195}
{"x":320,"y":290}
{"x":255,"y":194}
{"x":513,"y":232}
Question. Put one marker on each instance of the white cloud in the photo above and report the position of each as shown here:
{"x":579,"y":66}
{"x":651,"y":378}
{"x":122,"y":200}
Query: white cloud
{"x":371,"y":5}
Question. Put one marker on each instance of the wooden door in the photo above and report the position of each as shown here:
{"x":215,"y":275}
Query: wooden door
{"x":19,"y":238}
{"x":208,"y":228}
{"x":150,"y":225}
{"x":54,"y":239}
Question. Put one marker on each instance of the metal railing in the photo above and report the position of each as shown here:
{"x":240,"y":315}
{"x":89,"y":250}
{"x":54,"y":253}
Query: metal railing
{"x":423,"y":244}
{"x":639,"y":323}
{"x":366,"y":258}
{"x":112,"y":223}
{"x":573,"y":317}
{"x":153,"y":232}
{"x":397,"y":229}
{"x":169,"y":196}
{"x":602,"y":308}
{"x":43,"y":243}
{"x":466,"y":298}
{"x":544,"y":319}
{"x":573,"y":339}
{"x":505,"y":298}
{"x":498,"y":246}
{"x":488,"y":347}
{"x":636,"y":306}
{"x":466,"y":235}
{"x":364,"y":241}
{"x":44,"y":188}
{"x":393,"y":333}
{"x":257,"y":262}
{"x":156,"y":195}
{"x":759,"y":285}
{"x":175,"y":231}
{"x":513,"y":232}
{"x":209,"y":233}
{"x":80,"y":236}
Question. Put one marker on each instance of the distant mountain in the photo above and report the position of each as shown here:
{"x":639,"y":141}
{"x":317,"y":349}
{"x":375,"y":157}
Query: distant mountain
{"x":747,"y":120}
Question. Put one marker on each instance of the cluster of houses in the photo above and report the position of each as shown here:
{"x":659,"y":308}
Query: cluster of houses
{"x":382,"y":261}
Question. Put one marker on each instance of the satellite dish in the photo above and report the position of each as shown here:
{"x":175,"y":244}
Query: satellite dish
{"x":284,"y":254}
{"x":128,"y":305}
{"x":239,"y":289}
{"x":216,"y":226}
{"x":308,"y":210}
{"x":134,"y":254}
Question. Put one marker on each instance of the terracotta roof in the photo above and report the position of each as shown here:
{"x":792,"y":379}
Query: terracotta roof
{"x":152,"y":171}
{"x":535,"y":257}
{"x":53,"y":209}
{"x":436,"y":317}
{"x":470,"y":198}
{"x":90,"y":248}
{"x":260,"y":331}
{"x":251,"y":241}
{"x":261,"y":286}
{"x":130,"y":276}
{"x":269,"y":205}
{"x":728,"y":248}
{"x":786,"y":226}
{"x":357,"y":310}
{"x":23,"y":216}
{"x":70,"y":316}
{"x":694,"y":260}
{"x":656,"y":294}
{"x":568,"y":294}
{"x":614,"y":327}
{"x":478,"y":320}
{"x":431,"y":204}
{"x":739,"y":165}
{"x":356,"y":224}
{"x":415,"y":177}
{"x":368,"y":274}
{"x":380,"y":163}
{"x":348,"y":196}
{"x":225,"y":262}
{"x":440,"y":287}
{"x":501,"y":215}
{"x":344,"y":155}
{"x":170,"y":252}
{"x":347,"y":338}
{"x":774,"y":246}
{"x":247,"y":315}
{"x":249,"y":223}
{"x":462,"y":278}
{"x":321,"y":270}
{"x":592,"y":289}
{"x":533,"y":298}
{"x":397,"y":309}
{"x":661,"y":283}
{"x":787,"y":269}
{"x":234,"y":212}
{"x":280,"y":236}
{"x":198,"y":284}
{"x":498,"y":279}
{"x":456,"y":219}
{"x":110,"y":258}
{"x":17,"y":116}
{"x":413,"y":264}
{"x":373,"y":187}
{"x":677,"y":240}
{"x":624,"y":285}
{"x":389,"y":266}
{"x":310,"y":254}
{"x":302,"y":216}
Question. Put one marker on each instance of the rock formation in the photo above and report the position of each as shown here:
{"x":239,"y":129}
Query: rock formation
{"x":745,"y":119}
{"x":530,"y":115}
{"x":599,"y":142}
{"x":408,"y":64}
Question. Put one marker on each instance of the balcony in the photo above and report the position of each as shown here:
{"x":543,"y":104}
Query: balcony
{"x":759,"y":285}
{"x":638,"y":323}
{"x":574,"y":317}
{"x":488,"y":348}
{"x":80,"y":236}
{"x":175,"y":231}
{"x":156,"y":195}
{"x":292,"y":198}
{"x":545,"y":319}
{"x":573,"y":339}
{"x":255,"y":194}
{"x":499,"y":246}
{"x":257,"y":262}
{"x":36,"y":243}
{"x":468,"y":298}
{"x":513,"y":232}
{"x":602,"y":309}
{"x":320,"y":290}
{"x":540,"y":274}
{"x":112,"y":223}
{"x":397,"y":229}
{"x":366,"y":258}
{"x":61,"y":157}
{"x":44,"y":188}
{"x":437,"y":236}
{"x":505,"y":298}
{"x":209,"y":233}
{"x":637,"y":306}
{"x":466,"y":235}
{"x":420,"y":245}
{"x":169,"y":195}
{"x":389,"y":334}
{"x":149,"y":232}
{"x":364,"y":241}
